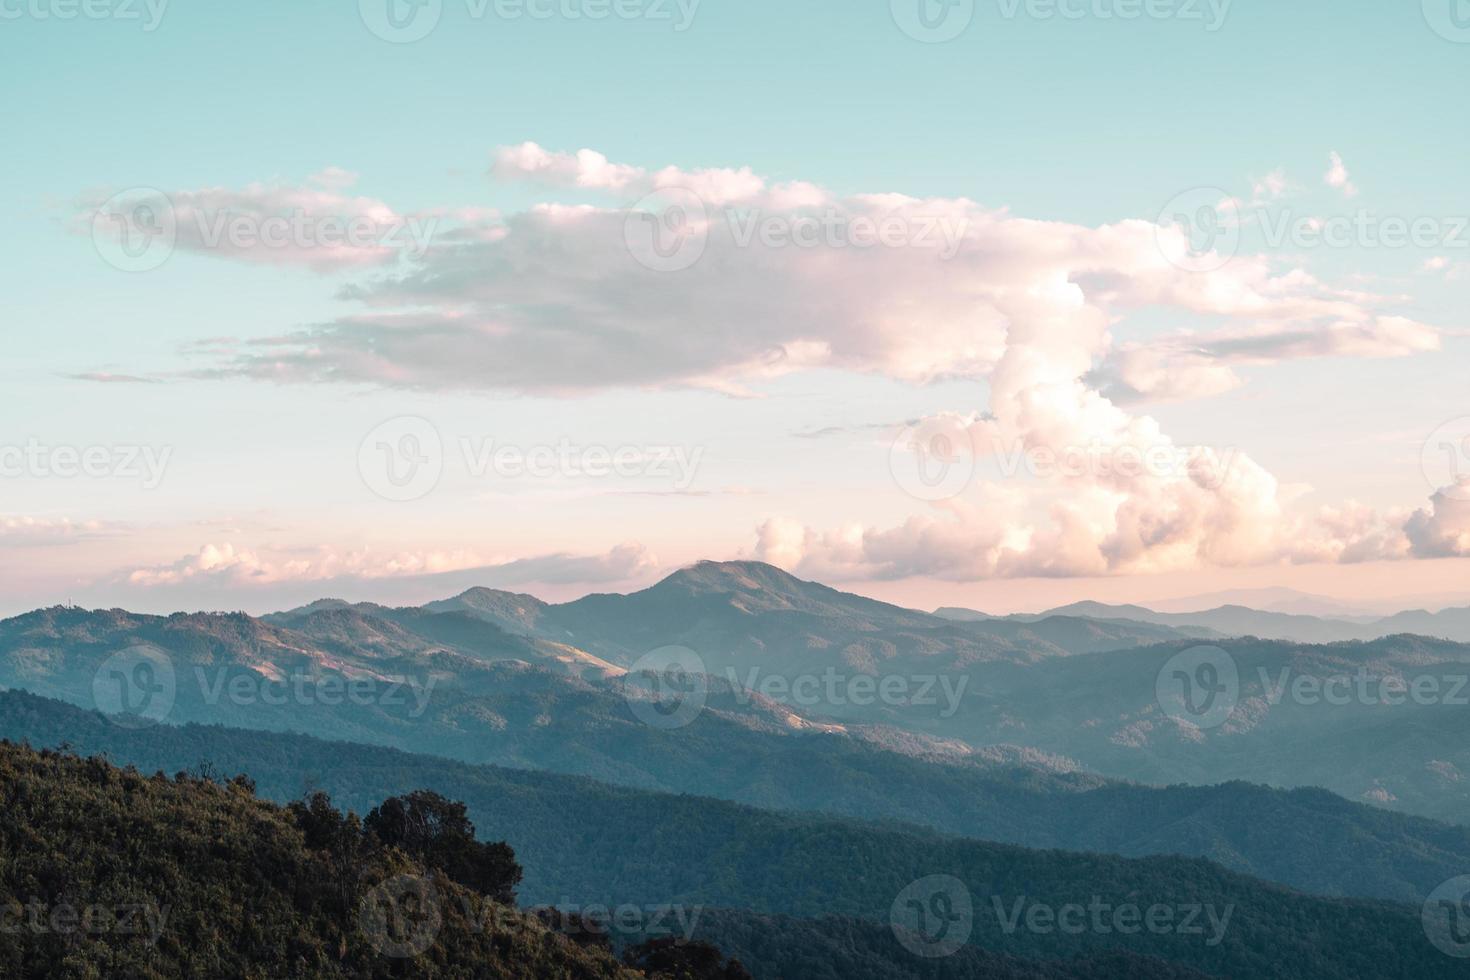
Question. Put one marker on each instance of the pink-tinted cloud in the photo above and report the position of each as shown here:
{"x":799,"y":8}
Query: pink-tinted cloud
{"x":1189,"y":365}
{"x":317,"y":224}
{"x":555,"y":299}
{"x":228,"y":566}
{"x":1443,"y":529}
{"x":21,"y":531}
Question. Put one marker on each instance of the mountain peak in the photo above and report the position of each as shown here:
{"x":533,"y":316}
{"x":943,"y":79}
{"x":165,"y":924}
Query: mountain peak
{"x":735,"y":576}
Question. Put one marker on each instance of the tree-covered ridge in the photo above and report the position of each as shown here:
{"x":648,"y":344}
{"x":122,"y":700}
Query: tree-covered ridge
{"x":107,"y":872}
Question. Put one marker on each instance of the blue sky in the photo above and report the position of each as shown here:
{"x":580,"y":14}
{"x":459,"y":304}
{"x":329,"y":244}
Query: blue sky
{"x":1085,"y":122}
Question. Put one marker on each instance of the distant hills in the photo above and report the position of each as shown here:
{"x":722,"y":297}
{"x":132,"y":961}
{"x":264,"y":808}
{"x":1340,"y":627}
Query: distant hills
{"x":504,"y":678}
{"x":1341,"y":716}
{"x":1239,"y":620}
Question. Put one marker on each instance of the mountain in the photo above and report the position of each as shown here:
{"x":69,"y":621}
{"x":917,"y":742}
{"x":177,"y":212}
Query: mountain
{"x":961,"y":615}
{"x":743,"y":616}
{"x":1453,"y":624}
{"x":1308,"y":604}
{"x":148,"y":834}
{"x":1229,"y":621}
{"x":1308,"y":839}
{"x":511,"y":611}
{"x":485,"y":695}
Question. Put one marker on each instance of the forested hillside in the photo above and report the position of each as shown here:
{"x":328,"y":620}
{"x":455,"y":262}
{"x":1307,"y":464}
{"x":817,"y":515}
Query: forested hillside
{"x":1308,"y":839}
{"x":592,"y":844}
{"x":107,"y":872}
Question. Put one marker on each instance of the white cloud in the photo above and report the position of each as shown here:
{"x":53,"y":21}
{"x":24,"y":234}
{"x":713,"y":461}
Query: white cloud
{"x":229,"y":566}
{"x":1271,"y":187}
{"x":318,"y":225}
{"x":555,"y":301}
{"x":1338,"y":178}
{"x":20,"y":531}
{"x":590,"y":170}
{"x":1188,"y":366}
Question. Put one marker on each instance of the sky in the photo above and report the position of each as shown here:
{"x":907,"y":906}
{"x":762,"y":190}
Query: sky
{"x":1003,"y":303}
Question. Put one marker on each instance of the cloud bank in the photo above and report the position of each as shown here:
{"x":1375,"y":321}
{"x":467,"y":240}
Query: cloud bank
{"x":737,"y":279}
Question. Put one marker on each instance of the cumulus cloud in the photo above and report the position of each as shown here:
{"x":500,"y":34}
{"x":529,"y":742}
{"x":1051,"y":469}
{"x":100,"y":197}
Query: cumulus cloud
{"x":1443,"y":529}
{"x":1135,"y":501}
{"x":554,"y":299}
{"x":1153,"y":526}
{"x":559,"y":298}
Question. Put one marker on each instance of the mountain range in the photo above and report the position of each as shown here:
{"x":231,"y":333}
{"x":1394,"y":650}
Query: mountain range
{"x":1239,"y":620}
{"x":802,"y":733}
{"x":495,"y":677}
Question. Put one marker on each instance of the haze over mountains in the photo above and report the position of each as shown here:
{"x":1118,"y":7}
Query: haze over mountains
{"x":498,"y":677}
{"x":1239,"y":620}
